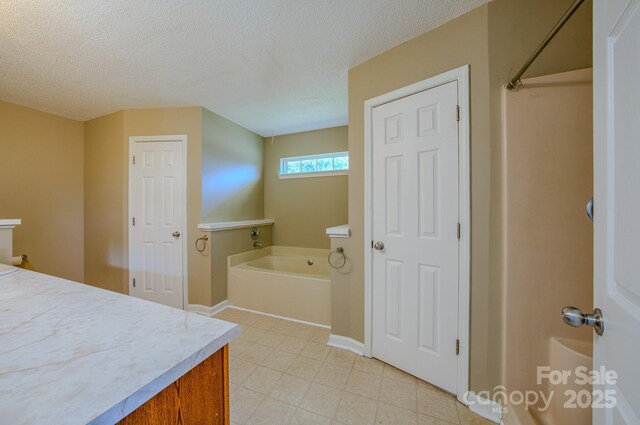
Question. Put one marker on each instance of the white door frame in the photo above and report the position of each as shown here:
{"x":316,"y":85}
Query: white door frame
{"x":461,"y":75}
{"x":182,"y":138}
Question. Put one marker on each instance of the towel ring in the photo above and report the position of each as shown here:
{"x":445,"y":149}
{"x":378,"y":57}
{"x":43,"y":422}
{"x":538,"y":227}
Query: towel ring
{"x":204,"y":240}
{"x":341,"y":258}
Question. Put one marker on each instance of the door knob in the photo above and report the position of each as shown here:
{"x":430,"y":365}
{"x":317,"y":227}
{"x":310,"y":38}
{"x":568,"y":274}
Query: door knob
{"x":589,"y":209}
{"x":379,"y":246}
{"x":176,"y":234}
{"x":573,"y":316}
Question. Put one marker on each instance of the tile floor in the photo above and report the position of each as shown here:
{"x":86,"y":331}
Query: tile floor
{"x":282,"y":372}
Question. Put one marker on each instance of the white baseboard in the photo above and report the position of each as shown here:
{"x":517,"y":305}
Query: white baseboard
{"x":345,"y":343}
{"x":279,"y":317}
{"x":488,"y":409}
{"x":208,"y":311}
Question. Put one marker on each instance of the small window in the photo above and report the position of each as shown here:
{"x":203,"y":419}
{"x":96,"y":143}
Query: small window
{"x":326,"y":164}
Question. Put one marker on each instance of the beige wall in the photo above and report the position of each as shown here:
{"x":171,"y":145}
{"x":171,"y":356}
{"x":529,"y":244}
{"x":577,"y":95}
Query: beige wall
{"x":303,"y":208}
{"x":549,"y":239}
{"x":494,"y":40}
{"x":232,"y":190}
{"x":459,"y":42}
{"x":232,"y":176}
{"x":341,"y":279}
{"x":225,"y":243}
{"x":41,"y":170}
{"x":108,"y":144}
{"x":105,"y":190}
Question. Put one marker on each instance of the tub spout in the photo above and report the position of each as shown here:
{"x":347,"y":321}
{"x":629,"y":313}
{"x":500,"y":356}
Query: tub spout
{"x":257,"y":244}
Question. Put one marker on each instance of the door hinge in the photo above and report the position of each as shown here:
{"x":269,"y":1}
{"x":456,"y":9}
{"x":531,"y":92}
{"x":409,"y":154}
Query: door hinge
{"x":458,"y":231}
{"x":134,"y":160}
{"x":457,"y":347}
{"x":134,"y":282}
{"x":133,"y":221}
{"x":458,"y":113}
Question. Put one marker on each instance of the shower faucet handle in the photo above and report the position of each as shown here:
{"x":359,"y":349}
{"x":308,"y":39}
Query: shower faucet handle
{"x":573,"y":316}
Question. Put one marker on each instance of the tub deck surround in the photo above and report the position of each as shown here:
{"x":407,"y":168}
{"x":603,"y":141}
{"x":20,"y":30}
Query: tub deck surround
{"x":10,"y":223}
{"x":227,"y":225}
{"x":74,"y":354}
{"x":343,"y":231}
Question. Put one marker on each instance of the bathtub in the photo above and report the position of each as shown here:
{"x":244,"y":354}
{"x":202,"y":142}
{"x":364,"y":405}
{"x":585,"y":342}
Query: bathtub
{"x":289,"y":282}
{"x":567,"y":354}
{"x":564,"y":355}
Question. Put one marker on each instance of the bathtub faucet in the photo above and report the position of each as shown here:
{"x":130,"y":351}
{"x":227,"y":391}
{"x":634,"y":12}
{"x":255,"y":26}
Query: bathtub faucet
{"x":257,"y":244}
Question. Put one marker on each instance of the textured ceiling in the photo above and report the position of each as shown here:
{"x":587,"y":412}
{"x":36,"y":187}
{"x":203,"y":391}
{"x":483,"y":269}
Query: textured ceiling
{"x":273,"y":66}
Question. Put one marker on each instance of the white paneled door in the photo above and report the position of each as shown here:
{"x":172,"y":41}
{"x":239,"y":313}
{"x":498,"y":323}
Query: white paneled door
{"x":616,"y":73}
{"x":157,"y":215}
{"x":415,"y":215}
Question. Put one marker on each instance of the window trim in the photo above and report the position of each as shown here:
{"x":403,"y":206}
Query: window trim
{"x":314,"y":174}
{"x":327,"y":173}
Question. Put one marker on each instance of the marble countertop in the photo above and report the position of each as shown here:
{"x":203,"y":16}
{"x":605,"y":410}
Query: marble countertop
{"x":74,"y":354}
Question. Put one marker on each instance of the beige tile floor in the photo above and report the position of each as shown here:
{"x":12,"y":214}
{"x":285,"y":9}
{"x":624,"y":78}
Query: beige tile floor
{"x":282,"y":372}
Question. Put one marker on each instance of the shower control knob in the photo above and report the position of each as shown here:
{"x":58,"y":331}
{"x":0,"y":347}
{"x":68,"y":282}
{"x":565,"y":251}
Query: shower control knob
{"x":176,"y":234}
{"x":378,"y":245}
{"x":573,"y":316}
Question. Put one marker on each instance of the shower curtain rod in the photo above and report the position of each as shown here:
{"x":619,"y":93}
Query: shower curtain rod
{"x":515,"y":82}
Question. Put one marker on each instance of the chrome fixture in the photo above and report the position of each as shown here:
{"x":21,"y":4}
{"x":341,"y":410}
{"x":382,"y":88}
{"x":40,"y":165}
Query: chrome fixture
{"x":204,"y":240}
{"x":257,"y":244}
{"x":255,"y":233}
{"x":573,"y":316}
{"x":310,"y":262}
{"x":342,"y":259}
{"x":378,"y":245}
{"x":590,"y":209}
{"x":176,"y":234}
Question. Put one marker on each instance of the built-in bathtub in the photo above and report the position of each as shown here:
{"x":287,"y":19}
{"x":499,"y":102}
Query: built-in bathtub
{"x":283,"y":281}
{"x":564,"y":355}
{"x":567,"y":355}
